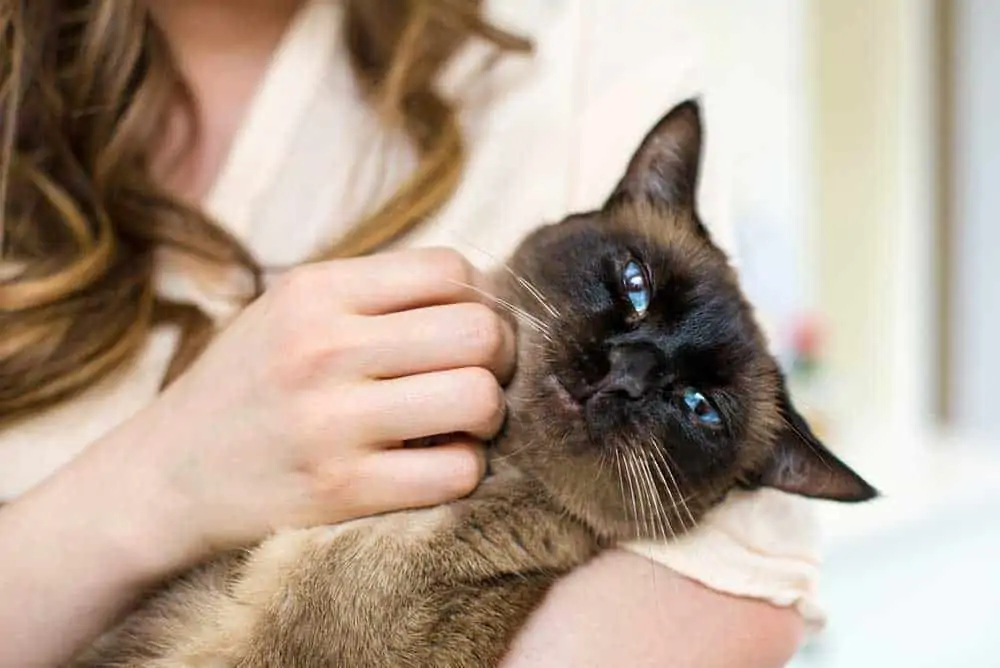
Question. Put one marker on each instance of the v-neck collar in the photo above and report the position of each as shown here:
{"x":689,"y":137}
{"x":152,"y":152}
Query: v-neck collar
{"x":276,"y":109}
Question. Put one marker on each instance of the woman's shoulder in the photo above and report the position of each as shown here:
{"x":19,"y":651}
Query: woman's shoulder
{"x":551,"y":132}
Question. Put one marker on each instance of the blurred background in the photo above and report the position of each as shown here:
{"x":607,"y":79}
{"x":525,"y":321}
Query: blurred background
{"x":867,"y":167}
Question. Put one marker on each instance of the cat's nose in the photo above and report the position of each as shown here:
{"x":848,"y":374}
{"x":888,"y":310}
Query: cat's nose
{"x":634,"y":370}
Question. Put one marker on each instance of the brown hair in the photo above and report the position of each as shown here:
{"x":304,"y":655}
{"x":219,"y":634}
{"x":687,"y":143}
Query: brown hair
{"x":84,"y":87}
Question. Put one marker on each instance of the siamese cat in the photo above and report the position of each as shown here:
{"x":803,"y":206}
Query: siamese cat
{"x":644,"y":393}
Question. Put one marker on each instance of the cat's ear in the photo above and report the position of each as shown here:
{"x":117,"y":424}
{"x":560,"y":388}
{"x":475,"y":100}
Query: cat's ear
{"x":664,"y":170}
{"x":801,"y":464}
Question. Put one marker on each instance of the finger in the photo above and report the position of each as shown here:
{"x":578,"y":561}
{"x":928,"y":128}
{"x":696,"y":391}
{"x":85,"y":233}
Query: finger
{"x":467,"y":400}
{"x":418,"y":477}
{"x":388,"y":282}
{"x":437,"y":338}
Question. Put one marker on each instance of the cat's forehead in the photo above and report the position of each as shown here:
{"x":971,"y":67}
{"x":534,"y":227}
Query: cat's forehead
{"x":695,"y":284}
{"x":661,"y":230}
{"x":626,"y":226}
{"x":592,"y":247}
{"x":670,"y":241}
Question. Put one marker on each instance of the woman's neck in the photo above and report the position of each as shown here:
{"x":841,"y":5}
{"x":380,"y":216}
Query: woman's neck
{"x":222,"y":49}
{"x":198,"y":28}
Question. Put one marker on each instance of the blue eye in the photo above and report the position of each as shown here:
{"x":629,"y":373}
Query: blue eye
{"x":700,"y":408}
{"x":636,"y":286}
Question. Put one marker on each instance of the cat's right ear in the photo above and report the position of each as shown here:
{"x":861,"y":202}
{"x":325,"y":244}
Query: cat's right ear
{"x":801,"y":464}
{"x":664,"y":169}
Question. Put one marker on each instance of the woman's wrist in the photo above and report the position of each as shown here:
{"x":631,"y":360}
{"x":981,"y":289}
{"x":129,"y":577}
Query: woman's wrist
{"x":143,"y":523}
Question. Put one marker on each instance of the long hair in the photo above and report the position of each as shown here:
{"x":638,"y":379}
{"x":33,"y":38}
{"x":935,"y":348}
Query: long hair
{"x":84,"y":89}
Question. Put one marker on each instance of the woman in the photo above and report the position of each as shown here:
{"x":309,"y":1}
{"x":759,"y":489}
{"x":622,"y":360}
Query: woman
{"x":166,"y":159}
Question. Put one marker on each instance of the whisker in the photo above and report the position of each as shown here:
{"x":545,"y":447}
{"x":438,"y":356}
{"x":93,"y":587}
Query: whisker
{"x":544,"y":347}
{"x":664,"y":514}
{"x":684,"y":501}
{"x":655,"y":517}
{"x":600,"y":467}
{"x":516,"y":311}
{"x":526,"y":446}
{"x":660,"y":464}
{"x":643,"y":493}
{"x":631,"y":488}
{"x":510,"y":306}
{"x":630,"y":478}
{"x":661,"y":517}
{"x":536,"y":293}
{"x":522,"y":281}
{"x":650,"y":525}
{"x":679,"y":501}
{"x":656,"y":505}
{"x":658,"y":500}
{"x":621,"y":479}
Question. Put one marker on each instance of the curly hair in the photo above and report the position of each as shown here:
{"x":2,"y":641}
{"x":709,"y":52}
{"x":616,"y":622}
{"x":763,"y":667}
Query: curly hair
{"x":84,"y":89}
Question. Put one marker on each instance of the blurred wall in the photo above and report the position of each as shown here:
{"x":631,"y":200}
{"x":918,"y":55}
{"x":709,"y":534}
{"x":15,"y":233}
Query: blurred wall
{"x":975,"y":296}
{"x":757,"y":52}
{"x":871,"y":79}
{"x":828,"y":114}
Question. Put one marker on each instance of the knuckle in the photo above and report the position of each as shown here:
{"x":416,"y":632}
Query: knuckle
{"x":466,"y":471}
{"x":290,"y":304}
{"x":334,"y":482}
{"x":483,"y":330}
{"x":447,"y":264}
{"x":285,"y":372}
{"x":304,"y":419}
{"x":304,"y":342}
{"x":292,"y":337}
{"x":294,"y":354}
{"x":483,"y":397}
{"x":313,"y":419}
{"x":297,"y":284}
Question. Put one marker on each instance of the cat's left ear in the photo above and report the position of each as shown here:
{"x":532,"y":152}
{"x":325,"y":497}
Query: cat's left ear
{"x":664,"y":169}
{"x":801,"y":464}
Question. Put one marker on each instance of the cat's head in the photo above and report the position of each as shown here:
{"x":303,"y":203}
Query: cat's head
{"x":645,"y":390}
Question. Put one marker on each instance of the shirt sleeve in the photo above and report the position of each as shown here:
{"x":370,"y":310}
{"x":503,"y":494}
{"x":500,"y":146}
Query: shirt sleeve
{"x":760,"y":544}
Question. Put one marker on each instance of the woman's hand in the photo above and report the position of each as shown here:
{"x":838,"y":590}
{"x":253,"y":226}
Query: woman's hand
{"x":296,"y":414}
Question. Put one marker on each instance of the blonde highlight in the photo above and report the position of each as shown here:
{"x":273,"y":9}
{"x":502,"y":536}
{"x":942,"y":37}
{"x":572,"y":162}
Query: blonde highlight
{"x":84,"y":90}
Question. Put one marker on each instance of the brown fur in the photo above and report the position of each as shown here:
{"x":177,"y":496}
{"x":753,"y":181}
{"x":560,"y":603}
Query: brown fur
{"x":439,"y":587}
{"x":580,"y":464}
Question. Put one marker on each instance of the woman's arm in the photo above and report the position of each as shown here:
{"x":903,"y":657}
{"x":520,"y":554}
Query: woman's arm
{"x":243,"y":443}
{"x":624,"y":610}
{"x":74,"y":554}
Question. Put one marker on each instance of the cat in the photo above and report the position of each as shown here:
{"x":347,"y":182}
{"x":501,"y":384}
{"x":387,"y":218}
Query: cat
{"x":644,"y":393}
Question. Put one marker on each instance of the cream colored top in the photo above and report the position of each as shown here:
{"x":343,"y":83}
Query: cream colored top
{"x":548,"y":134}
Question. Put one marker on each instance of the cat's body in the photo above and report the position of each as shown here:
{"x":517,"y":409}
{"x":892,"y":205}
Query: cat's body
{"x":644,"y":393}
{"x":447,"y":586}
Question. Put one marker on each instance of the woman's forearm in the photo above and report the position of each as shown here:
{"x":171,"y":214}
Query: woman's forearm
{"x":74,"y":554}
{"x":77,"y":551}
{"x":623,"y":610}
